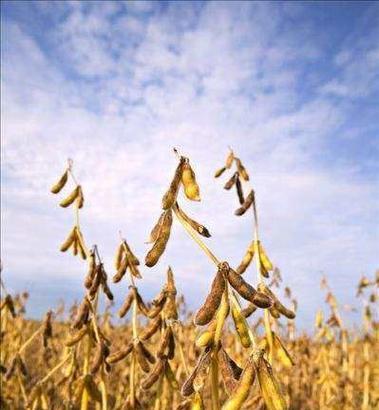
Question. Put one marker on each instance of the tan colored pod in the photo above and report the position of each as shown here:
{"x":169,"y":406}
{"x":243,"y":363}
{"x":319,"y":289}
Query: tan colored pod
{"x":229,"y":160}
{"x":160,"y":244}
{"x":82,"y":315}
{"x":76,"y":337}
{"x":249,"y":255}
{"x":281,"y":352}
{"x":276,"y":302}
{"x":80,"y":199}
{"x":154,"y":375}
{"x":231,"y":181}
{"x":206,"y":313}
{"x":58,"y":186}
{"x":191,"y":188}
{"x":246,"y":205}
{"x":71,"y":198}
{"x":98,"y":357}
{"x":91,"y":269}
{"x":126,"y":305}
{"x":200,"y":229}
{"x":119,"y":256}
{"x":131,"y":257}
{"x":249,"y":310}
{"x":206,"y":337}
{"x":241,"y":392}
{"x":272,"y":395}
{"x":154,"y":234}
{"x":146,"y":352}
{"x":169,"y":197}
{"x":121,"y":354}
{"x":267,"y":264}
{"x":91,"y":388}
{"x":274,"y":312}
{"x":141,"y":358}
{"x":241,"y":326}
{"x":170,"y":376}
{"x":230,"y":371}
{"x":151,"y":329}
{"x":69,"y":240}
{"x":241,"y":169}
{"x":164,"y":342}
{"x":219,"y":172}
{"x":240,"y":285}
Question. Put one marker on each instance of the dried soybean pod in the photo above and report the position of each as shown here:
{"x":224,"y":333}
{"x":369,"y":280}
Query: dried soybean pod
{"x":151,"y":329}
{"x":57,"y":187}
{"x":91,"y":269}
{"x":241,"y":326}
{"x":146,"y":353}
{"x":249,"y":310}
{"x":206,"y":338}
{"x":219,"y":172}
{"x":98,"y":357}
{"x":169,"y":197}
{"x":75,"y":247}
{"x":80,"y":198}
{"x":249,"y":255}
{"x":201,"y":229}
{"x":126,"y":305}
{"x":140,"y":303}
{"x":164,"y":343}
{"x":262,"y":301}
{"x":239,"y":190}
{"x":241,"y":169}
{"x":131,"y":257}
{"x":240,"y":285}
{"x":274,"y":312}
{"x":69,"y":241}
{"x":47,"y":332}
{"x":134,"y":270}
{"x":82,"y":315}
{"x":121,"y":354}
{"x":268,"y":266}
{"x":188,"y":388}
{"x":246,"y":205}
{"x":76,"y":337}
{"x":230,"y":182}
{"x":277,"y":304}
{"x":11,"y":368}
{"x":171,"y":346}
{"x":96,"y":282}
{"x":160,"y":245}
{"x":118,"y":257}
{"x":281,"y":352}
{"x":229,"y":159}
{"x":191,"y":188}
{"x":155,"y":310}
{"x":81,"y":244}
{"x":71,"y":198}
{"x":222,"y":314}
{"x":141,"y":359}
{"x":107,"y":290}
{"x":241,"y":392}
{"x":206,"y":313}
{"x":154,"y":234}
{"x":154,"y":375}
{"x":272,"y":396}
{"x":8,"y":302}
{"x":230,"y":371}
{"x":91,"y":388}
{"x":121,"y":270}
{"x":170,"y":376}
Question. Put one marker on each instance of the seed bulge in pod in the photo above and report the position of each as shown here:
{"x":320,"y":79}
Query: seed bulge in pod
{"x":126,"y":305}
{"x":151,"y":329}
{"x":153,"y":376}
{"x":121,"y":354}
{"x":71,"y":198}
{"x":241,"y":286}
{"x":191,"y":188}
{"x":219,"y":172}
{"x":169,"y":197}
{"x":231,"y":181}
{"x":242,"y":170}
{"x":246,"y":205}
{"x":57,"y":187}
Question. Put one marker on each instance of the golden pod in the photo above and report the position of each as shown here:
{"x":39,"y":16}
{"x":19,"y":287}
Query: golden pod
{"x":133,"y":269}
{"x":200,"y":229}
{"x":206,"y":337}
{"x":276,"y":303}
{"x":221,"y":316}
{"x":249,"y":255}
{"x":246,"y":205}
{"x":281,"y":352}
{"x":242,"y":390}
{"x":154,"y":234}
{"x":131,"y":257}
{"x":91,"y":388}
{"x":76,"y":337}
{"x":141,"y":358}
{"x":121,"y":270}
{"x":69,"y":240}
{"x":202,"y":363}
{"x":121,"y":354}
{"x":108,"y":293}
{"x":153,"y":376}
{"x":249,"y":310}
{"x":272,"y":395}
{"x":118,"y":257}
{"x":71,"y":198}
{"x":219,"y":172}
{"x":241,"y":169}
{"x":57,"y":187}
{"x":81,"y":249}
{"x":82,"y":315}
{"x":230,"y":182}
{"x":98,"y":357}
{"x":241,"y":326}
{"x":80,"y":199}
{"x":140,"y":303}
{"x":164,"y":342}
{"x":197,"y":402}
{"x":126,"y":305}
{"x":156,"y":309}
{"x":239,"y":190}
{"x":206,"y":313}
{"x":268,"y":266}
{"x":145,"y":351}
{"x":169,"y":197}
{"x":229,"y":159}
{"x":191,"y":188}
{"x":230,"y":371}
{"x":160,"y":244}
{"x":91,"y":270}
{"x":151,"y":329}
{"x":274,"y":312}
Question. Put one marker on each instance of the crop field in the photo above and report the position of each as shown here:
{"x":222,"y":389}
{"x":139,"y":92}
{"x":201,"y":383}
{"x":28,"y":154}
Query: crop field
{"x":240,"y":349}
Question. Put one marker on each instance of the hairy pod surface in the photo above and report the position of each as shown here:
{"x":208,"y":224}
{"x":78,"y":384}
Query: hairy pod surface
{"x":160,"y":244}
{"x":58,"y":186}
{"x":246,"y":205}
{"x":206,"y":313}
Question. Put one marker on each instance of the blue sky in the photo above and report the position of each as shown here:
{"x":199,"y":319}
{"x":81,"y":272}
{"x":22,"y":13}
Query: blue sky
{"x":293,"y":87}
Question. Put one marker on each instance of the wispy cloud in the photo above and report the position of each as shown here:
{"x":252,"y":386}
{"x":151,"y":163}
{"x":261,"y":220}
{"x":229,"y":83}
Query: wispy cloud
{"x":116,"y":85}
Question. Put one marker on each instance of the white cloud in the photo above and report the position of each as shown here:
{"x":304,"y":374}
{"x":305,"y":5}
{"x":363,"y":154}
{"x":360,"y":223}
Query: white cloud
{"x":127,"y":89}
